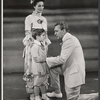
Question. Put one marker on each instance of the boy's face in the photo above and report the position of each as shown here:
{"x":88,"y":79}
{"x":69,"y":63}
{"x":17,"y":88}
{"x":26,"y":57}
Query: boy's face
{"x":42,"y":37}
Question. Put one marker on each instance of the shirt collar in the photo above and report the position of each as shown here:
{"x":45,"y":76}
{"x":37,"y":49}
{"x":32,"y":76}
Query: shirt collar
{"x":64,"y":37}
{"x":37,"y":42}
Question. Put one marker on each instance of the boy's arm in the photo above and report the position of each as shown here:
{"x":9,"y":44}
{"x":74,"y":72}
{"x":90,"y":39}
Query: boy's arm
{"x":36,"y":56}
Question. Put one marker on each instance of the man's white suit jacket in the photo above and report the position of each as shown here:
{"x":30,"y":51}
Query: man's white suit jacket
{"x":71,"y":60}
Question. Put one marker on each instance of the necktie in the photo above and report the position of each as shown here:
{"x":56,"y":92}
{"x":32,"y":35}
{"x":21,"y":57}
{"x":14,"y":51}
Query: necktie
{"x":42,"y":46}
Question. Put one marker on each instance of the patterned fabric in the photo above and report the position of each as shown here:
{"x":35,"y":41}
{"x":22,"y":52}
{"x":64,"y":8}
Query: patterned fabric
{"x":27,"y":41}
{"x":36,"y":74}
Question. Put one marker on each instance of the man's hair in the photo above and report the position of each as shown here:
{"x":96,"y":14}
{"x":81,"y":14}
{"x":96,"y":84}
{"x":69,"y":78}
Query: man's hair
{"x":37,"y":32}
{"x":63,"y":25}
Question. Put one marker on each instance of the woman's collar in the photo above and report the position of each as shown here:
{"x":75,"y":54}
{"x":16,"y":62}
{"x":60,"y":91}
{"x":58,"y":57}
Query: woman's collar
{"x":37,"y":14}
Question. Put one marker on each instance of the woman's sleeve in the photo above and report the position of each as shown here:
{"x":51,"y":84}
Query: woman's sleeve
{"x":44,"y":24}
{"x":27,"y":24}
{"x":47,"y":40}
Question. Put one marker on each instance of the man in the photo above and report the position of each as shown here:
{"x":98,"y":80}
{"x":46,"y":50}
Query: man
{"x":70,"y":63}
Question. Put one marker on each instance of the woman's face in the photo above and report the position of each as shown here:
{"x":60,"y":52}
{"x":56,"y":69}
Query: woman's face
{"x":39,"y":7}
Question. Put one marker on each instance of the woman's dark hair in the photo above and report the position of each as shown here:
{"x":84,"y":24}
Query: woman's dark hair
{"x":63,"y":25}
{"x":37,"y":32}
{"x":36,"y":1}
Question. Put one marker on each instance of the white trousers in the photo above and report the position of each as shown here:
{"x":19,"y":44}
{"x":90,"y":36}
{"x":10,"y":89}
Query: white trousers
{"x":71,"y":93}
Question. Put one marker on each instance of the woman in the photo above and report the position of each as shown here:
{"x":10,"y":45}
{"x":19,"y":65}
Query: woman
{"x":34,"y":21}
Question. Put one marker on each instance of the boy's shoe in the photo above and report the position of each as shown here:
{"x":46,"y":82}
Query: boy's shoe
{"x":53,"y":94}
{"x":37,"y":98}
{"x":32,"y":97}
{"x":44,"y":97}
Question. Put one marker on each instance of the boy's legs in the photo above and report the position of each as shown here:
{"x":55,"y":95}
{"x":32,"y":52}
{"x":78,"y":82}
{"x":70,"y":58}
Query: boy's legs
{"x":36,"y":90}
{"x":35,"y":95}
{"x":43,"y":91}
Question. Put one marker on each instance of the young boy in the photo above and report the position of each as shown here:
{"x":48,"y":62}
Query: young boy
{"x":39,"y":69}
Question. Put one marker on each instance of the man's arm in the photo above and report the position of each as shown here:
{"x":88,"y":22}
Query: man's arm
{"x":66,"y":51}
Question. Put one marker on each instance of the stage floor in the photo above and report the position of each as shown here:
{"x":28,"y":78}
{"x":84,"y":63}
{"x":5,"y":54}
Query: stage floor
{"x":14,"y":86}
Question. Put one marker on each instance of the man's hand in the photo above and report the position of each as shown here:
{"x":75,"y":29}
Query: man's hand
{"x":35,"y":59}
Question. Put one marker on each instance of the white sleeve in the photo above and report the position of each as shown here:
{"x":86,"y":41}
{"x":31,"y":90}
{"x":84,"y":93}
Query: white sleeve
{"x":44,"y":24}
{"x":34,"y":51}
{"x":66,"y":51}
{"x":27,"y":23}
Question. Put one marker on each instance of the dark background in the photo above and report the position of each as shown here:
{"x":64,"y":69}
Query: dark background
{"x":52,"y":4}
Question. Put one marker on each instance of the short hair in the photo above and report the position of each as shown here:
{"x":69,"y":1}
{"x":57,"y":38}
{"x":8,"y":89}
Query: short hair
{"x":37,"y":32}
{"x":36,"y":1}
{"x":63,"y":25}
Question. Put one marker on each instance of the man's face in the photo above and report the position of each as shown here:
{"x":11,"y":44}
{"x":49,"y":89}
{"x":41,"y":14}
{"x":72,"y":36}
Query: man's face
{"x":58,"y":32}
